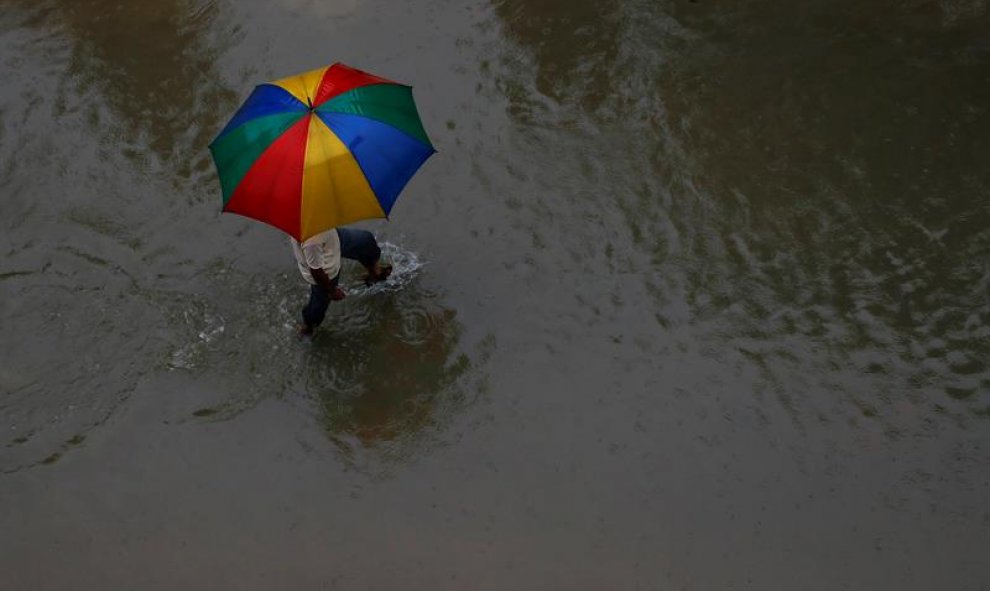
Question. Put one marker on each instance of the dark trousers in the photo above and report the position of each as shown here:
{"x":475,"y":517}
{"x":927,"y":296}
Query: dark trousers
{"x":357,"y":245}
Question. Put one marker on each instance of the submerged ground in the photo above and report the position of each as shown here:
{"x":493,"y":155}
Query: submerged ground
{"x":694,"y":296}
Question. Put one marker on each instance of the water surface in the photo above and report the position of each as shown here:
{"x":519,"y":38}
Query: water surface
{"x":692,"y":297}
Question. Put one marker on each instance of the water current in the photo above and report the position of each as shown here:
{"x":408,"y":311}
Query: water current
{"x":694,"y":295}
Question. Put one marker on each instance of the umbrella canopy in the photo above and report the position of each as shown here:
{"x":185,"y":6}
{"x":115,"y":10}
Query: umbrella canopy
{"x":321,"y":149}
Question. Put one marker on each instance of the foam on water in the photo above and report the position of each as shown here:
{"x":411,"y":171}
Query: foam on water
{"x":405,"y":268}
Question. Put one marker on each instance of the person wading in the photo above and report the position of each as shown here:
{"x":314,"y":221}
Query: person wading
{"x":319,"y":262}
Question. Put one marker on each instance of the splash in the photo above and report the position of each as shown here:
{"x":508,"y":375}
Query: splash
{"x":209,"y":326}
{"x":405,"y":268}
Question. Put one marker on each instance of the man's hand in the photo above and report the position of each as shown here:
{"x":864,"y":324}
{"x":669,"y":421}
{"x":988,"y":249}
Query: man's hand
{"x":329,"y":285}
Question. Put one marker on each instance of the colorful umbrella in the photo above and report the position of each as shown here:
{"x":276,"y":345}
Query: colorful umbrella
{"x":319,"y":150}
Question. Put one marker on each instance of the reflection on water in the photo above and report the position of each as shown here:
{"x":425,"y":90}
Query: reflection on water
{"x":392,"y":378}
{"x":575,"y":44}
{"x":804,"y":180}
{"x":733,"y":255}
{"x":103,"y":116}
{"x":153,"y":63}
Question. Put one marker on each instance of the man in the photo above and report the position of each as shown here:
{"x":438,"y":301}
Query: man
{"x":319,"y":262}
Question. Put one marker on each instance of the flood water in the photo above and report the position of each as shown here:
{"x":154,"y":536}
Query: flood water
{"x":695,"y":295}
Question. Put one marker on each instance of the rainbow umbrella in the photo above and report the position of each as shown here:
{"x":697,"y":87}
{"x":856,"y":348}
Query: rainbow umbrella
{"x":318,"y":150}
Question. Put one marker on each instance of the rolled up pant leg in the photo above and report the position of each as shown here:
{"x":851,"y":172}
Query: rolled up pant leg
{"x":359,"y":245}
{"x":316,"y":308}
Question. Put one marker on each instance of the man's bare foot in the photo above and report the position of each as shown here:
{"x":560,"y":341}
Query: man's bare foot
{"x":305,"y":330}
{"x":378,"y":273}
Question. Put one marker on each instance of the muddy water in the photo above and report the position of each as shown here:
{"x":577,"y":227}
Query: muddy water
{"x":693,"y":297}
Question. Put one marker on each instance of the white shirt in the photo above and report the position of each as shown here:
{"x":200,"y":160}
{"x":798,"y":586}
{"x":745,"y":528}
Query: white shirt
{"x":318,"y":252}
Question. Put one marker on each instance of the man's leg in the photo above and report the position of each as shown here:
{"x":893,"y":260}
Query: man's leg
{"x":361,"y":246}
{"x":315,"y":310}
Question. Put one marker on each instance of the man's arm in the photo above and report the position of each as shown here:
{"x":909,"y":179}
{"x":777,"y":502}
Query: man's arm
{"x":328,"y":285}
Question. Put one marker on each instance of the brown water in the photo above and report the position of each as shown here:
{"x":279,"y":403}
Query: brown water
{"x":694,"y":296}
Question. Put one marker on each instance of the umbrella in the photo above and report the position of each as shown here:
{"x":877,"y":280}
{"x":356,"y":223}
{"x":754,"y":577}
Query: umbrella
{"x":321,"y":149}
